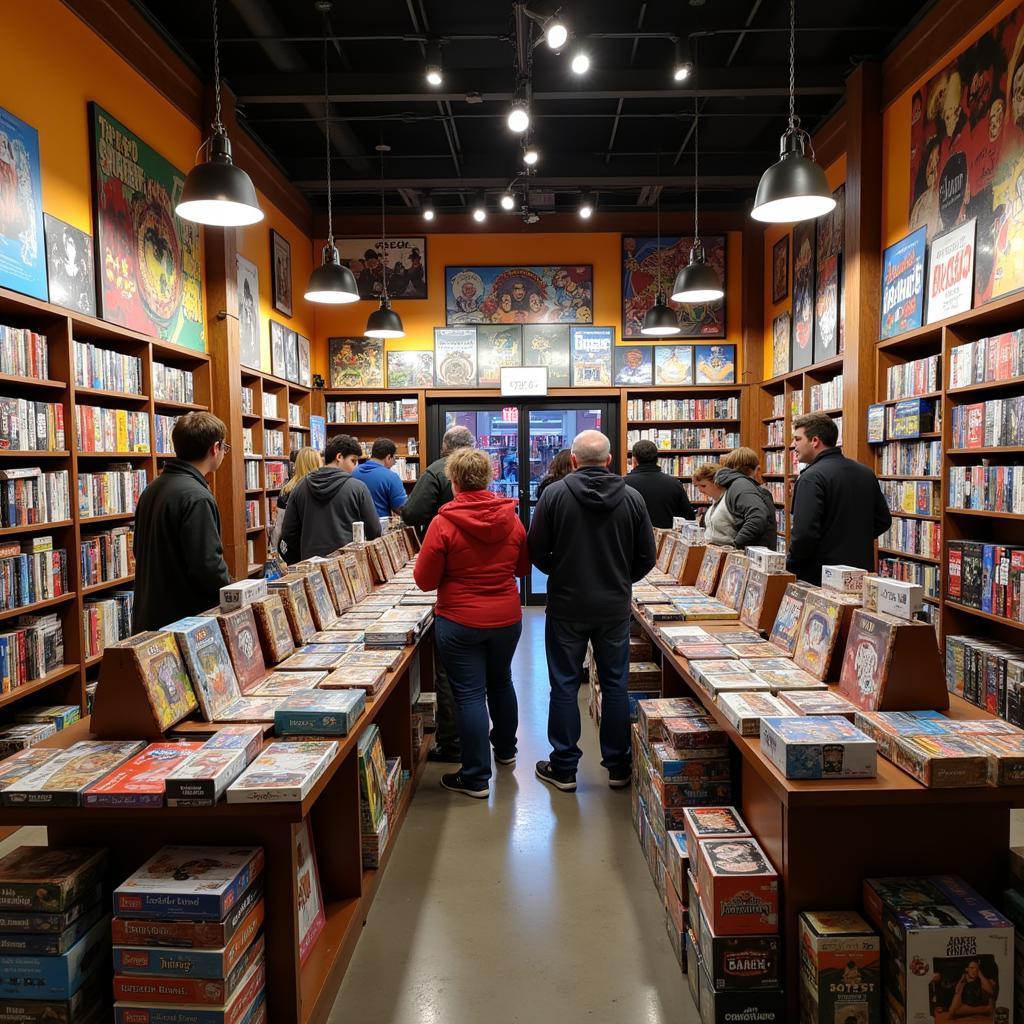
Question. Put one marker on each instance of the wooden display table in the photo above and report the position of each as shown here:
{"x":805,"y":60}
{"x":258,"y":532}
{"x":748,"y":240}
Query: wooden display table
{"x":294,"y":996}
{"x":826,"y":837}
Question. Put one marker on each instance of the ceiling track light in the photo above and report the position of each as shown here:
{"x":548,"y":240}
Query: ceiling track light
{"x":428,"y":210}
{"x":556,"y":35}
{"x":660,"y":321}
{"x":216,"y":192}
{"x":519,"y":116}
{"x":682,"y":66}
{"x":530,"y":155}
{"x":586,"y":207}
{"x":384,"y":322}
{"x":508,"y":200}
{"x":434,"y":70}
{"x":795,"y":188}
{"x":479,"y":208}
{"x":580,"y":62}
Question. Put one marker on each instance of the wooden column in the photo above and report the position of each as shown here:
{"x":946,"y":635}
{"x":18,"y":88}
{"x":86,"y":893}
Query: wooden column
{"x":753,"y":331}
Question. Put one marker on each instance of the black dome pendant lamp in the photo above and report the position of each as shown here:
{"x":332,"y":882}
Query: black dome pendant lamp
{"x":660,"y":321}
{"x":384,"y":322}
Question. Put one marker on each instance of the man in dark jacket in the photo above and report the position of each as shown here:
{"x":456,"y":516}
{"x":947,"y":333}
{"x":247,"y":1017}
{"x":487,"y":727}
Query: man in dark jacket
{"x":751,"y":508}
{"x":663,"y":495}
{"x":591,"y":534}
{"x":838,"y":507}
{"x":432,"y":490}
{"x":179,"y":560}
{"x":321,"y":510}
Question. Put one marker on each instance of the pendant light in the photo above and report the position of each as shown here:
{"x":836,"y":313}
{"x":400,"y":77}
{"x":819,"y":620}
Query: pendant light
{"x":795,"y":188}
{"x":384,"y":322}
{"x":697,"y":282}
{"x":659,"y":320}
{"x":330,"y":283}
{"x":216,"y":192}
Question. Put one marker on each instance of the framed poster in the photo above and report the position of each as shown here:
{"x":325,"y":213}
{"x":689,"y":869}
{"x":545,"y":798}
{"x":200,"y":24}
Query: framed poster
{"x":803,"y":294}
{"x":548,"y":345}
{"x":715,"y":364}
{"x":633,"y":364}
{"x":903,"y":285}
{"x":519,"y":295}
{"x":780,"y":269}
{"x":673,"y":364}
{"x":281,"y":272}
{"x":149,"y":260}
{"x":455,"y":357}
{"x":592,"y":356}
{"x":411,"y":368}
{"x":248,"y":284}
{"x":356,"y":362}
{"x":829,"y":228}
{"x":22,"y":250}
{"x":781,"y":340}
{"x":497,"y":346}
{"x":291,"y":355}
{"x":826,"y":310}
{"x":640,"y":284}
{"x":318,"y":432}
{"x":404,"y":259}
{"x":278,"y":350}
{"x":69,"y":268}
{"x":951,"y":272}
{"x":305,"y":375}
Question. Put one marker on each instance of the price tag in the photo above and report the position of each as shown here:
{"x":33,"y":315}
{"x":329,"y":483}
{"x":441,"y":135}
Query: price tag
{"x":520,"y":381}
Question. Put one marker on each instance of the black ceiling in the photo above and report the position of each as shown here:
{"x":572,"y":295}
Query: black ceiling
{"x":616,"y":130}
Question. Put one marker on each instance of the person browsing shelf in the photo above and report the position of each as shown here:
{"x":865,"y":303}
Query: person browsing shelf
{"x":719,"y":527}
{"x":306,"y":461}
{"x":386,"y":489}
{"x":750,"y":505}
{"x":663,"y":494}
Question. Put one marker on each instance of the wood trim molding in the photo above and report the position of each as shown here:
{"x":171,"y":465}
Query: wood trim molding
{"x":830,"y":139}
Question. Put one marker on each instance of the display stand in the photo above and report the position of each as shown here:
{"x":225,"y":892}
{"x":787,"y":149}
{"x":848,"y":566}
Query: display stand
{"x":760,"y":614}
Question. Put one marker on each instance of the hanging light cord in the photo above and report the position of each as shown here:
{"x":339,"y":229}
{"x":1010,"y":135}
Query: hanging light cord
{"x":218,"y":126}
{"x":658,"y":172}
{"x":793,"y":120}
{"x":327,"y":136}
{"x":383,"y":232}
{"x":696,"y":173}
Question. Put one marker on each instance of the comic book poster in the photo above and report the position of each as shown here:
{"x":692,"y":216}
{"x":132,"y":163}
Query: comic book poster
{"x":403,"y":259}
{"x":633,"y":364}
{"x":281,"y":272}
{"x":592,"y":356}
{"x":548,"y":345}
{"x":803,"y":294}
{"x":673,"y":364}
{"x":866,"y":659}
{"x":497,"y":346}
{"x":455,"y":357}
{"x":356,"y":362}
{"x":305,"y":374}
{"x":950,"y":272}
{"x":826,"y":310}
{"x":715,"y":364}
{"x":291,"y":355}
{"x":278,"y":350}
{"x":781,"y":331}
{"x":640,"y":277}
{"x":248,"y":285}
{"x":411,"y":369}
{"x":519,"y":295}
{"x":69,"y":269}
{"x":903,"y":285}
{"x":148,"y":258}
{"x":22,"y":252}
{"x":780,"y":269}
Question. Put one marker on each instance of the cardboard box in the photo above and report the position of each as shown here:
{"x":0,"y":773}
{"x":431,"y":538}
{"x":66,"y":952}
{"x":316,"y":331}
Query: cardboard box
{"x":693,"y":968}
{"x":894,"y":597}
{"x":766,"y":1006}
{"x":840,"y":976}
{"x":819,"y":747}
{"x":242,"y":593}
{"x":677,"y":862}
{"x":738,"y":963}
{"x":711,"y":823}
{"x":847,"y":579}
{"x":738,"y":887}
{"x":766,"y":560}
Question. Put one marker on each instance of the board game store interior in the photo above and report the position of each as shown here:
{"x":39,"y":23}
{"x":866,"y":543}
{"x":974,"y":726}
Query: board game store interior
{"x":512,"y":512}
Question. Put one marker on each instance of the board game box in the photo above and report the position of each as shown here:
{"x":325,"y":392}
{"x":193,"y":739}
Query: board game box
{"x":677,"y":861}
{"x":847,"y":579}
{"x":55,"y":943}
{"x":702,"y":764}
{"x":205,"y":777}
{"x":55,"y":977}
{"x":738,"y":888}
{"x":825,"y":747}
{"x":711,"y":823}
{"x":703,"y":652}
{"x":320,"y":604}
{"x":369,"y":680}
{"x":644,"y":675}
{"x":206,"y":659}
{"x":1005,"y":759}
{"x":840,"y":968}
{"x":737,"y":962}
{"x":274,"y":632}
{"x":242,"y":640}
{"x":818,"y":633}
{"x":651,"y":714}
{"x":311,"y":905}
{"x":816,"y":702}
{"x":690,"y":733}
{"x":22,"y":736}
{"x":733,"y":580}
{"x":283,"y":772}
{"x":710,"y":568}
{"x":250,"y":709}
{"x":942,"y":761}
{"x":866,"y":660}
{"x":17,"y":766}
{"x":786,"y":627}
{"x":46,"y":881}
{"x":286,"y":684}
{"x":319,"y":713}
{"x":140,"y":781}
{"x":884,"y":727}
{"x":61,"y":781}
{"x":745,"y":710}
{"x":89,"y":1005}
{"x":316,"y":660}
{"x":292,"y":591}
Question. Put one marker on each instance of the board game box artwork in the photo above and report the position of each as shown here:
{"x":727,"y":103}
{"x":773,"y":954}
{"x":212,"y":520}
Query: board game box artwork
{"x":819,"y":631}
{"x":785,"y":629}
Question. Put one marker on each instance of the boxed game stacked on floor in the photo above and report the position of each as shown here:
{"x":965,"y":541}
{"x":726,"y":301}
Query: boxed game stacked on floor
{"x":188,"y":937}
{"x":29,"y":496}
{"x":54,"y":935}
{"x":31,"y":426}
{"x":373,"y":781}
{"x":23,"y":353}
{"x":111,"y":430}
{"x":112,"y":492}
{"x":106,"y":621}
{"x":840,"y":976}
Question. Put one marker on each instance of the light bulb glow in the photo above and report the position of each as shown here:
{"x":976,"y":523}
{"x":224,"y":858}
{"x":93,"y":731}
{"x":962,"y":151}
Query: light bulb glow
{"x":797,"y":208}
{"x":479,"y":215}
{"x":428,"y":213}
{"x":581,"y":64}
{"x":518,"y":118}
{"x":556,"y":35}
{"x":508,"y":201}
{"x":434,"y":76}
{"x":681,"y":72}
{"x":586,"y":211}
{"x":531,"y":156}
{"x":219,"y":213}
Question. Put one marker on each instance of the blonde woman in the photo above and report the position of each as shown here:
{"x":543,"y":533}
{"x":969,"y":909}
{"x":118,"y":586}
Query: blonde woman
{"x":306,"y":461}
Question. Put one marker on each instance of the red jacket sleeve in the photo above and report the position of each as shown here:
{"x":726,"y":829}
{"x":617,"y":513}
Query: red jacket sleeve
{"x":523,"y":558}
{"x":432,"y":558}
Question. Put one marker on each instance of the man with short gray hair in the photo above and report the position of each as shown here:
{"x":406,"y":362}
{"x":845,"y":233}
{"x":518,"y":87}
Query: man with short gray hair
{"x":592,"y":535}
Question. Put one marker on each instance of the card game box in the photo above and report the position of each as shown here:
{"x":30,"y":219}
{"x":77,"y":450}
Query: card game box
{"x":651,"y":714}
{"x":140,"y":781}
{"x":55,"y":977}
{"x":825,"y":747}
{"x":738,"y":887}
{"x":284,"y":771}
{"x":319,"y":713}
{"x":274,"y":632}
{"x":847,"y":579}
{"x":942,"y":762}
{"x":885,"y":727}
{"x":737,"y":962}
{"x":286,"y":684}
{"x":744,"y":710}
{"x":242,"y":593}
{"x":840,"y":968}
{"x":692,"y":733}
{"x":209,"y":666}
{"x":242,"y":640}
{"x":49,"y":880}
{"x":677,"y":862}
{"x":766,"y":560}
{"x":766,"y":1006}
{"x":246,"y":1006}
{"x":816,"y":702}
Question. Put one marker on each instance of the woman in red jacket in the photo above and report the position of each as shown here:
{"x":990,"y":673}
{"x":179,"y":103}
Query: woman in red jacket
{"x":474,"y":549}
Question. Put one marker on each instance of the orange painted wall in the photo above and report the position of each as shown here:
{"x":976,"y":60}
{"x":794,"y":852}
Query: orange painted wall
{"x":602,"y":249}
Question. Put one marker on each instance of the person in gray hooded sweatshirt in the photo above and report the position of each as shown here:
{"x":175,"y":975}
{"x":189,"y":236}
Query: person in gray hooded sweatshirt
{"x":322,"y":509}
{"x":750,"y":506}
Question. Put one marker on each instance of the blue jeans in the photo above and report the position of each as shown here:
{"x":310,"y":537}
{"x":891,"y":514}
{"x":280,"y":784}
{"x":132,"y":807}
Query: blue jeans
{"x":479,"y":664}
{"x":566,"y":646}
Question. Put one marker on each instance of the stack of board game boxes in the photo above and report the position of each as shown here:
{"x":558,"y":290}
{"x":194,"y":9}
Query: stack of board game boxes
{"x":642,"y":683}
{"x":54,"y":935}
{"x":189,"y":940}
{"x":373,"y":785}
{"x":839,"y":969}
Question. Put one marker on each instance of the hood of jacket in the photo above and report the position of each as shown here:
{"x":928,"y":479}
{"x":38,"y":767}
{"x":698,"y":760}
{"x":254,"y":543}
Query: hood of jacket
{"x":325,"y":482}
{"x":724,"y":477}
{"x":483,"y":515}
{"x":597,"y":488}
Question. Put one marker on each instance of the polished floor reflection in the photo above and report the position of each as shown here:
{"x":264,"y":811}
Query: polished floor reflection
{"x":533,"y":906}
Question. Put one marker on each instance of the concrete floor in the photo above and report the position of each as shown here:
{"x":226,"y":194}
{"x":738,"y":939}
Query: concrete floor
{"x":535,"y":905}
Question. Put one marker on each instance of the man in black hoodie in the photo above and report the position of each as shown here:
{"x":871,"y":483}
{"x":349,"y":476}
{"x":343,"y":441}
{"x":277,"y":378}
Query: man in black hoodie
{"x":322,"y":509}
{"x":592,"y":535}
{"x":663,"y":494}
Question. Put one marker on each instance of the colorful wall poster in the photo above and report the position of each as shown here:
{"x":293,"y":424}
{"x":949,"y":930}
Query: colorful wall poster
{"x":356,"y":362}
{"x":22,"y":251}
{"x":411,"y":368}
{"x":548,"y":345}
{"x":826,"y":310}
{"x":278,"y":350}
{"x":305,"y":369}
{"x":803,"y":294}
{"x":318,"y":432}
{"x":715,"y":364}
{"x":592,"y":356}
{"x":673,"y":364}
{"x":148,"y":258}
{"x":780,"y":269}
{"x":951,"y":272}
{"x":281,"y":272}
{"x":455,"y":357}
{"x":403,"y":259}
{"x":291,"y":355}
{"x":248,"y":285}
{"x":781,"y":340}
{"x":497,"y":346}
{"x":633,"y":364}
{"x":519,"y":295}
{"x":69,"y":266}
{"x":903,"y":285}
{"x":640,"y":275}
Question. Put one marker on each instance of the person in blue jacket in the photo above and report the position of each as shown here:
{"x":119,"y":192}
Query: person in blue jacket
{"x":386,"y":489}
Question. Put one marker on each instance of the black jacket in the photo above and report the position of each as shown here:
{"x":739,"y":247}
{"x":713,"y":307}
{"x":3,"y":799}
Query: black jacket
{"x":751,"y":507}
{"x":591,"y":534}
{"x":663,"y":495}
{"x":432,"y":490}
{"x":838,"y":511}
{"x":320,"y":512}
{"x":179,"y":560}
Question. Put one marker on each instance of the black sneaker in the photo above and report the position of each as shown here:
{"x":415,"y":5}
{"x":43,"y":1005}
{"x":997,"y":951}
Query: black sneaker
{"x":620,"y":779}
{"x":442,"y":755}
{"x":455,"y":782}
{"x":510,"y":760}
{"x":565,"y":781}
